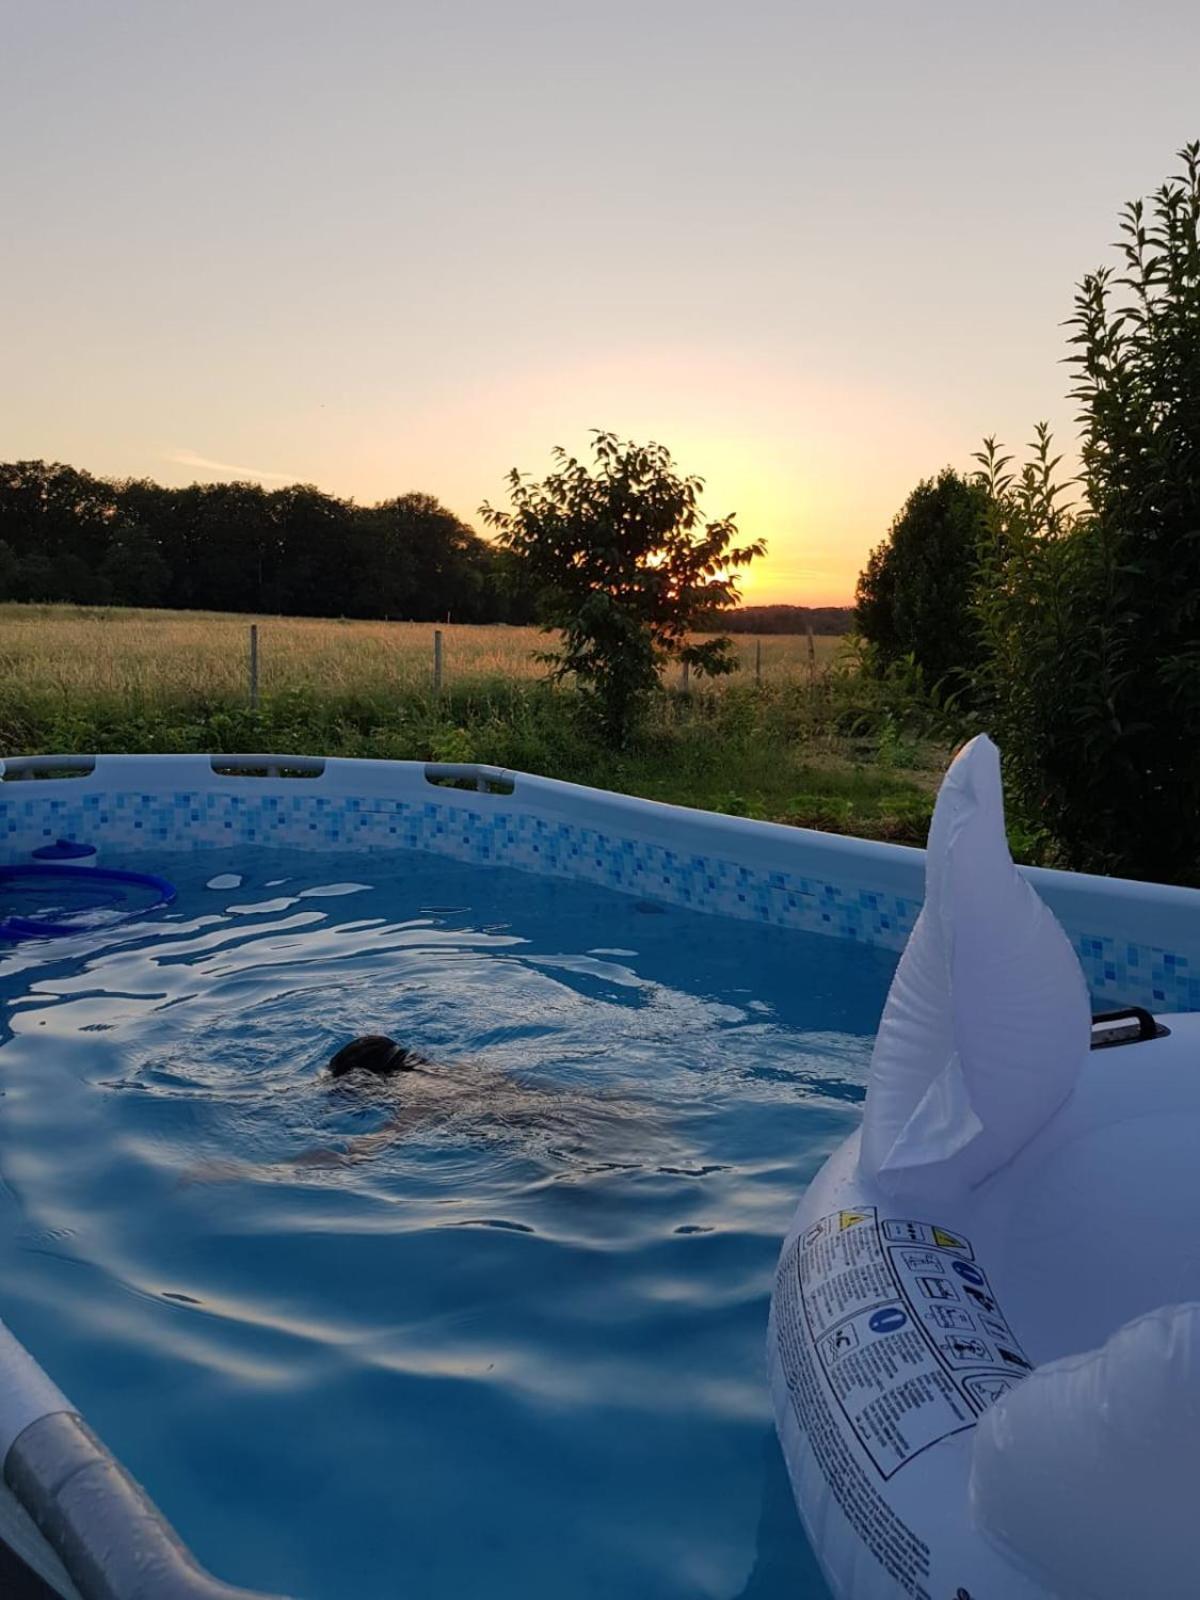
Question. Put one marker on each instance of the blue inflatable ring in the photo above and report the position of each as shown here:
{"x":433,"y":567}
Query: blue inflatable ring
{"x":33,"y":928}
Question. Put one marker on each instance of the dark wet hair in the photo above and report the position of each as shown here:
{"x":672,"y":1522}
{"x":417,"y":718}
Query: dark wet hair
{"x":374,"y":1052}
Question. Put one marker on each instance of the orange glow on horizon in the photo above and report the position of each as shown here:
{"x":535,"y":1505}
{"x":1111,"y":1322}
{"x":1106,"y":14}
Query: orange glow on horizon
{"x":792,"y":472}
{"x":815,"y":466}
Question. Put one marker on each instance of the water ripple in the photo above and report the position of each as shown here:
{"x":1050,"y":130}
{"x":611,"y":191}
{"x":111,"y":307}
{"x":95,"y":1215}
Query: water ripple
{"x":532,"y":1282}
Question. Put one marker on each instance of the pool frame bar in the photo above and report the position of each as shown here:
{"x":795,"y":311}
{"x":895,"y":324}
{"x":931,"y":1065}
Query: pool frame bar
{"x":100,"y":1536}
{"x":76,"y":1523}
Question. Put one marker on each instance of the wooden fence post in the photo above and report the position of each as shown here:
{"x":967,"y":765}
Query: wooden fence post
{"x":437,"y":661}
{"x":254,"y":666}
{"x":812,"y":656}
{"x":758,"y":661}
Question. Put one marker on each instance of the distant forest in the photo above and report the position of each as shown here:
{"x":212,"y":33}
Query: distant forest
{"x":788,"y":619}
{"x":66,"y":536}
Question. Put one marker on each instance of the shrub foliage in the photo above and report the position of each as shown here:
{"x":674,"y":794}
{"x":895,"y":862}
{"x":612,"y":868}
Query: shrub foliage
{"x":1091,"y":619}
{"x":914,"y":599}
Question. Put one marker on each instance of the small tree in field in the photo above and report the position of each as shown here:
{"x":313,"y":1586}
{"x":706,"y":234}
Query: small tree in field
{"x":626,"y":568}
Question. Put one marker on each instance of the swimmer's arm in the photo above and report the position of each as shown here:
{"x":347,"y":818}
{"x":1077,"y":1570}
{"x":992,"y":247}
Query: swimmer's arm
{"x":357,"y":1149}
{"x":243,"y":1171}
{"x":362,"y":1146}
{"x":365,"y":1145}
{"x":322,"y":1156}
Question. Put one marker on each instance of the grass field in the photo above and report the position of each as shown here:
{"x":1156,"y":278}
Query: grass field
{"x":811,"y":742}
{"x":153,"y":654}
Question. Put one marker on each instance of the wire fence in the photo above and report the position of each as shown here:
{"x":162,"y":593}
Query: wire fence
{"x":148,"y":656}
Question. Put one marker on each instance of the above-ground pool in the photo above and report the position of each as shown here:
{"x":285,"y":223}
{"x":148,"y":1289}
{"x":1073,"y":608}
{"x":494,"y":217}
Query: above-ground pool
{"x":516,"y":1347}
{"x":498,"y":1328}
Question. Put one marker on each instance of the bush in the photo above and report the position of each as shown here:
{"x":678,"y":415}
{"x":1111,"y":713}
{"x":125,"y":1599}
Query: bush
{"x":1092,"y":619}
{"x":914,"y":599}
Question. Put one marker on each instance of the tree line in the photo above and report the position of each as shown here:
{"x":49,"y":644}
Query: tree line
{"x":1070,"y":627}
{"x":66,"y":535}
{"x":788,"y":619}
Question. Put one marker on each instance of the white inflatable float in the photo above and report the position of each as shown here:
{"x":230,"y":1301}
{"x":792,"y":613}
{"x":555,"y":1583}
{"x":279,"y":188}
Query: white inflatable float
{"x":985,"y":1328}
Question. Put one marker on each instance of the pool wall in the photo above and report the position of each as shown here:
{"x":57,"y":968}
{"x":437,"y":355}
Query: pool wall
{"x":1139,"y":943}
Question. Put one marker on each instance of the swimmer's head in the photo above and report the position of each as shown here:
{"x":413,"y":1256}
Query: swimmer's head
{"x":372,"y":1053}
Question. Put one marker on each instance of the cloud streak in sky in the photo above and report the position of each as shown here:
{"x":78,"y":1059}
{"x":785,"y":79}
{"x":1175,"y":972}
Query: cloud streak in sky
{"x":189,"y":458}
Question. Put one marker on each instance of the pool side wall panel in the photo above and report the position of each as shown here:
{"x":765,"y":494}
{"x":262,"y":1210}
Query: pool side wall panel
{"x":1138,"y":943}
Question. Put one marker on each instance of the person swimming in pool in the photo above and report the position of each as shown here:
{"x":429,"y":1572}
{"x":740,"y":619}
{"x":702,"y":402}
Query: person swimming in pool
{"x":466,"y":1097}
{"x":375,"y":1053}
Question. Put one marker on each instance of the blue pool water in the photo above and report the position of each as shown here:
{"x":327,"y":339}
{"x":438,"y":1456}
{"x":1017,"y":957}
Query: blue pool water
{"x":516,"y":1347}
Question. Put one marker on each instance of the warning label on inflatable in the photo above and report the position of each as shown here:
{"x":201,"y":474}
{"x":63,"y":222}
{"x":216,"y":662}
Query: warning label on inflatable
{"x":910,"y":1338}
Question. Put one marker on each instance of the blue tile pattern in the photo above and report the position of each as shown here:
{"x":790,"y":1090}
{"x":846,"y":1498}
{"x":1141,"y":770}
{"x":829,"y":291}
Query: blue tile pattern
{"x":1117,"y":972}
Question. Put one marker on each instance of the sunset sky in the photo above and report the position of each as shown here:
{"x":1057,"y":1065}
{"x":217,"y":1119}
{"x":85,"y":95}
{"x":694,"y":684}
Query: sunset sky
{"x":816,"y":250}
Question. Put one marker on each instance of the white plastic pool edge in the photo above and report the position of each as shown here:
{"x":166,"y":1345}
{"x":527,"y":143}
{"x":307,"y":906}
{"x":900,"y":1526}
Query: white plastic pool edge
{"x":1138,"y":943}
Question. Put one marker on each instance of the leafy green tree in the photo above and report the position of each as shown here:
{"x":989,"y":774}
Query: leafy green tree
{"x":422,"y":562}
{"x":67,"y":536}
{"x":58,"y":523}
{"x":225,"y":547}
{"x":914,"y":598}
{"x":513,"y":595}
{"x":626,"y":568}
{"x":1092,"y":618}
{"x":134,"y":569}
{"x":10,"y":571}
{"x":319,"y":554}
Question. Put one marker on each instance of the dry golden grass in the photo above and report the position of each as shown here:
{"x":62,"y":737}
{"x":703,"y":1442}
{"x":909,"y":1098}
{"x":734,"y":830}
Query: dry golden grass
{"x":173,"y":655}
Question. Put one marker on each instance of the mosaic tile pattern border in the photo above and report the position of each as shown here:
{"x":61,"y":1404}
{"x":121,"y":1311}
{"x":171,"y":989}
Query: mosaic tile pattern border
{"x":1118,"y":973}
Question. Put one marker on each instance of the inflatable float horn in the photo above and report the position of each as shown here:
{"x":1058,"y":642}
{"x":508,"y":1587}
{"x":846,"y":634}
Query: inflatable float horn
{"x":987,"y":1024}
